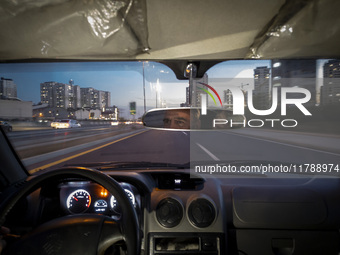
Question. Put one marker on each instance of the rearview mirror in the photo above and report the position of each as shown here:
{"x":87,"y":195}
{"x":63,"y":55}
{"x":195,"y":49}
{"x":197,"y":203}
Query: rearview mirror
{"x":191,"y":119}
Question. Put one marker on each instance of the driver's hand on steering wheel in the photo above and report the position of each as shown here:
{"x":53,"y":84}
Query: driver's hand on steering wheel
{"x":3,"y":231}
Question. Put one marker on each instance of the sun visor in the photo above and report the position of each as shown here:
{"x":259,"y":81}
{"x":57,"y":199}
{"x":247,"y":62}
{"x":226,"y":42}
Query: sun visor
{"x":87,"y":29}
{"x":302,"y":29}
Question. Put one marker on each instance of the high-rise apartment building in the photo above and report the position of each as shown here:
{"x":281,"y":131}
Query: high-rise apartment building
{"x":262,"y":88}
{"x":227,"y":99}
{"x":58,"y":95}
{"x":295,"y":73}
{"x":104,"y":99}
{"x":47,"y":93}
{"x":187,"y":98}
{"x":85,"y":97}
{"x":95,"y":99}
{"x":70,"y":96}
{"x":76,"y":97}
{"x":197,"y":91}
{"x":8,"y":88}
{"x":64,"y":96}
{"x":330,"y":91}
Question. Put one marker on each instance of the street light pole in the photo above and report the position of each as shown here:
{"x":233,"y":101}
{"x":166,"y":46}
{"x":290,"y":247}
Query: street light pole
{"x":144,"y":89}
{"x":157,"y":92}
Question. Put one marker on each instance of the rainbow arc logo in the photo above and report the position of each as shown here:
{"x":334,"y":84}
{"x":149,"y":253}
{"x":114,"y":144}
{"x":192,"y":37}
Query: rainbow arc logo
{"x":213,"y":90}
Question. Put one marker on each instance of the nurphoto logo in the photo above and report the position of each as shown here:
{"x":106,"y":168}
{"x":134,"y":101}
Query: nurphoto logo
{"x":238,"y":105}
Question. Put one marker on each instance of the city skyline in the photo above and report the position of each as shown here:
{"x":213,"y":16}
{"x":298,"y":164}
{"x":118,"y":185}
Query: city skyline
{"x":80,"y":71}
{"x":72,"y":96}
{"x":109,"y":76}
{"x":124,"y":80}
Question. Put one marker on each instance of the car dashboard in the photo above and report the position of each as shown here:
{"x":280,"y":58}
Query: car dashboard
{"x":88,"y":197}
{"x":181,"y":213}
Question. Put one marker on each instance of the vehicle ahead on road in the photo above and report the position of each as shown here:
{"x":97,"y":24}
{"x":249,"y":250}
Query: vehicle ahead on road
{"x":114,"y":123}
{"x":270,"y":187}
{"x":6,"y":126}
{"x":54,"y":123}
{"x":65,"y":123}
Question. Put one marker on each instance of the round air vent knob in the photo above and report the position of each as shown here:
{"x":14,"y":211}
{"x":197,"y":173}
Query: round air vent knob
{"x":169,"y":212}
{"x":201,"y":213}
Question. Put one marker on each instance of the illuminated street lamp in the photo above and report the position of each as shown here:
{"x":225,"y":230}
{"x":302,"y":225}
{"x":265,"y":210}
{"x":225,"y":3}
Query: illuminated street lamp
{"x":144,"y":87}
{"x":158,"y":89}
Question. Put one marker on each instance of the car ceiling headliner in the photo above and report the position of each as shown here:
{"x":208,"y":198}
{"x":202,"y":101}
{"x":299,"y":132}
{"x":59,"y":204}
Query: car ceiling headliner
{"x":172,"y":32}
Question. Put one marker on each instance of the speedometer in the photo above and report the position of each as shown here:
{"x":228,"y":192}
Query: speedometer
{"x":114,"y":203}
{"x":100,"y":205}
{"x":78,"y":201}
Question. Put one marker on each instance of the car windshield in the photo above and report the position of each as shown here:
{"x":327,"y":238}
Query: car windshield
{"x":290,"y":109}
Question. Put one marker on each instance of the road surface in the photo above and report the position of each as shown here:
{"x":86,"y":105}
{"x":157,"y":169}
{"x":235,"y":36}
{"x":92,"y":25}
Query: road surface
{"x":57,"y":148}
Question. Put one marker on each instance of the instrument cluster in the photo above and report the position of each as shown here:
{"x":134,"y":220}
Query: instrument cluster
{"x":88,"y":197}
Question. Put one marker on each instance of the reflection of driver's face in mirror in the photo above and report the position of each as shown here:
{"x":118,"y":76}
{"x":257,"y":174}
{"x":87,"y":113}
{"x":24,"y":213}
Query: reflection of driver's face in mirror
{"x":178,"y":119}
{"x":222,"y":115}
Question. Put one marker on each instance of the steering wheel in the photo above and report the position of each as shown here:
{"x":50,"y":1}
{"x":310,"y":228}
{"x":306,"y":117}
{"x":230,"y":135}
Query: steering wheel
{"x":76,"y":234}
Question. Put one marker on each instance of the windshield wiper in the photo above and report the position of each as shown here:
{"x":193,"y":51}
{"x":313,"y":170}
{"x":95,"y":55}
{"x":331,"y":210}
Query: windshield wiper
{"x":130,"y":165}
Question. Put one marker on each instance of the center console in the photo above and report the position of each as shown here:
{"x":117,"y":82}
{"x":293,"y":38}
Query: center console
{"x":185,"y":243}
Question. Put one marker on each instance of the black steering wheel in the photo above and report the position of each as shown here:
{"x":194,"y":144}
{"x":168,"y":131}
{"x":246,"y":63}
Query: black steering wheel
{"x":76,"y":234}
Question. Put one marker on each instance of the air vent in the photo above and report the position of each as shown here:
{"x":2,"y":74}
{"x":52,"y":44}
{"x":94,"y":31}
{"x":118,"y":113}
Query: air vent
{"x":201,"y":213}
{"x":169,"y":212}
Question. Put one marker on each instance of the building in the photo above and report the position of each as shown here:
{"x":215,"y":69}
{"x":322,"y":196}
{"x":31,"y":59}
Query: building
{"x":295,"y":73}
{"x":76,"y":97}
{"x":110,"y":113}
{"x":84,"y":114}
{"x":47,"y":93}
{"x":227,"y":99}
{"x":95,"y":99}
{"x":89,"y":98}
{"x":104,"y":100}
{"x":72,"y":97}
{"x":262,"y":88}
{"x":59,"y":95}
{"x":330,"y":91}
{"x":44,"y":111}
{"x":15,"y":109}
{"x":197,"y":91}
{"x":63,"y":96}
{"x":10,"y":106}
{"x":187,"y":98}
{"x":8,"y":89}
{"x":85,"y":97}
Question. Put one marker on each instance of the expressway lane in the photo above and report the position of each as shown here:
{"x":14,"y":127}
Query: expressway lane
{"x":143,"y":146}
{"x":180,"y":147}
{"x":33,"y":143}
{"x":27,"y":138}
{"x":230,"y":145}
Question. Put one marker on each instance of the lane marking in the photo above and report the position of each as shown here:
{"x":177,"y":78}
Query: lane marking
{"x":56,"y":140}
{"x":208,"y":152}
{"x":281,"y":143}
{"x":80,"y":154}
{"x":54,"y":154}
{"x":184,"y":133}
